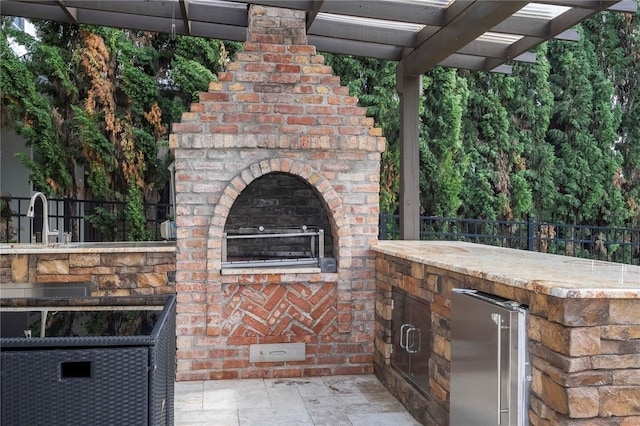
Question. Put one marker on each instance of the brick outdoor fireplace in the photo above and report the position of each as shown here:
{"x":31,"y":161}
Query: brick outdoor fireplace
{"x":276,"y":141}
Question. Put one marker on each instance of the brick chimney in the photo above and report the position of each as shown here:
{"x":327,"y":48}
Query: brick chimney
{"x":277,"y":109}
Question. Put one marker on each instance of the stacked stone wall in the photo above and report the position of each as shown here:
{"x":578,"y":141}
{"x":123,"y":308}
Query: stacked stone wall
{"x":110,"y":274}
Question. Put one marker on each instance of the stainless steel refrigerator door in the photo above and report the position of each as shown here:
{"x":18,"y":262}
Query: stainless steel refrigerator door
{"x":482,"y":344}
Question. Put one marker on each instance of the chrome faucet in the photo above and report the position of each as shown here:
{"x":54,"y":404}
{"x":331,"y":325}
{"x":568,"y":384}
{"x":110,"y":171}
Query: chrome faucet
{"x":45,"y":216}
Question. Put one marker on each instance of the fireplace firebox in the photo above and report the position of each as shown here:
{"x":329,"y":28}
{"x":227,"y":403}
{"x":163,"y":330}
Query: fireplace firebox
{"x":256,"y":247}
{"x":277,"y":221}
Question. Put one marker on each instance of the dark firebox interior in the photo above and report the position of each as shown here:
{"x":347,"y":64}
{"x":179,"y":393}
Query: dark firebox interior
{"x":277,"y":203}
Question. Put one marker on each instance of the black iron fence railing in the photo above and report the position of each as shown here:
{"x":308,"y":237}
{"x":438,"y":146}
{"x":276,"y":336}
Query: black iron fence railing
{"x":621,"y":245}
{"x":94,"y":220}
{"x":84,"y":220}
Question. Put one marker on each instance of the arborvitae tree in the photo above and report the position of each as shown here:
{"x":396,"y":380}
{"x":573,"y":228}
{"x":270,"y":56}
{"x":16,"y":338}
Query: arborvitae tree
{"x":95,"y":104}
{"x":442,"y":159}
{"x":616,"y":38}
{"x":442,"y":105}
{"x":495,"y":186}
{"x":582,"y":131}
{"x":530,"y":109}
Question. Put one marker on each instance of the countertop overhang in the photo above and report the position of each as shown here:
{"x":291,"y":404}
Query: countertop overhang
{"x":554,"y":275}
{"x":90,"y":247}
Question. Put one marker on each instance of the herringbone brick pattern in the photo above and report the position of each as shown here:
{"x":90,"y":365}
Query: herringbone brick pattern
{"x":278,"y":310}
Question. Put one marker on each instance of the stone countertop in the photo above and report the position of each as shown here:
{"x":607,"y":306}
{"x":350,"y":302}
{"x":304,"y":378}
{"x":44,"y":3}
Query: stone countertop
{"x":91,"y":247}
{"x":554,"y":275}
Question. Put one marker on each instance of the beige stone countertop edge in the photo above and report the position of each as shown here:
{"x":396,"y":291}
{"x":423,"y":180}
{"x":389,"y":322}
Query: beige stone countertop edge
{"x":111,"y":247}
{"x":554,"y":275}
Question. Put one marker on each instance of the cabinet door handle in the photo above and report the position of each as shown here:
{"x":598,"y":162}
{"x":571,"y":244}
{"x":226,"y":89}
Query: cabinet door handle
{"x":404,"y":335}
{"x":411,"y":333}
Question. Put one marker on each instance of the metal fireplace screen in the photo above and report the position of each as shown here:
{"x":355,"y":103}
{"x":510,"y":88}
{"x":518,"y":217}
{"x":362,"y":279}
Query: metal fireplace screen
{"x":250,"y":247}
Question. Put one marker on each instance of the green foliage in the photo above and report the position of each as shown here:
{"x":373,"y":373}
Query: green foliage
{"x":191,"y":76}
{"x":98,"y":102}
{"x":616,"y":38}
{"x":522,"y":195}
{"x":134,"y":214}
{"x":139,"y":87}
{"x":494,"y":155}
{"x":536,"y":142}
{"x":558,"y":139}
{"x":104,"y":221}
{"x":389,"y":182}
{"x":442,"y":159}
{"x":531,"y":112}
{"x":34,"y":118}
{"x":583,"y":132}
{"x":195,"y":63}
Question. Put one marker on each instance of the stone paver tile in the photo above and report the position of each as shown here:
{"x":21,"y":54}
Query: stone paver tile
{"x":207,"y":417}
{"x":383,"y":419}
{"x":334,"y":401}
{"x":273,"y":416}
{"x":188,"y":396}
{"x":297,"y":382}
{"x":329,"y":418}
{"x":286,"y":398}
{"x":194,"y":386}
{"x":234,"y":394}
{"x":320,"y":411}
{"x":342,"y":385}
{"x":317,"y":401}
{"x":307,"y":387}
{"x":235,"y":398}
{"x":234,"y":384}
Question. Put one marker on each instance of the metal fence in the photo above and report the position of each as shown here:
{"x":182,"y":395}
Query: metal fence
{"x":85,"y":220}
{"x":621,"y":245}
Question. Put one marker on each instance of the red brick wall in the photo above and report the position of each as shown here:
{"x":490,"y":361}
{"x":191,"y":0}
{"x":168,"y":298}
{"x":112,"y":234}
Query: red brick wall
{"x":277,"y":108}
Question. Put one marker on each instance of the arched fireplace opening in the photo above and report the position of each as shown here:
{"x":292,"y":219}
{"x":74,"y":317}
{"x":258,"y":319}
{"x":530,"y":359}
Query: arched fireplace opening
{"x":278,"y":221}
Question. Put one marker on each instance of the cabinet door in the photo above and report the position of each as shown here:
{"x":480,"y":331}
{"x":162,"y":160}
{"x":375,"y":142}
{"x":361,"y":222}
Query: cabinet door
{"x":400,"y":323}
{"x":419,"y":341}
{"x":411,"y":335}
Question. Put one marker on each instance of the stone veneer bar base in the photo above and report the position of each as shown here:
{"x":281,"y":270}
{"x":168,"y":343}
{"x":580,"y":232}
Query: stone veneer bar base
{"x":112,"y":269}
{"x":584,"y":327}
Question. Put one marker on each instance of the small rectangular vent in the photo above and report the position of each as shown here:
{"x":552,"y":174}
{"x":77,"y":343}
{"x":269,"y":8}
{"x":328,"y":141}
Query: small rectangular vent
{"x":277,"y":352}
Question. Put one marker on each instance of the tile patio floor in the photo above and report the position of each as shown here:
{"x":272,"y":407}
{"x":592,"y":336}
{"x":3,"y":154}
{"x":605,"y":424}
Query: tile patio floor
{"x":314,"y":401}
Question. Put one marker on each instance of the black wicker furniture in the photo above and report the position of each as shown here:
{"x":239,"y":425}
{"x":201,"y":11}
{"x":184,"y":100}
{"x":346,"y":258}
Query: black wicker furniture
{"x":91,"y":361}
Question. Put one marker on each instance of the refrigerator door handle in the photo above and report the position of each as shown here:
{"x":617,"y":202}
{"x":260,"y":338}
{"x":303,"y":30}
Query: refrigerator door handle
{"x":497,"y":318}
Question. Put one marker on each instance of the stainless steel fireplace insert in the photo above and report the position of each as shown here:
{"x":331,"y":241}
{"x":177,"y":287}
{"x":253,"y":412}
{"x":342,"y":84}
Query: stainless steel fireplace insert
{"x":251,"y":247}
